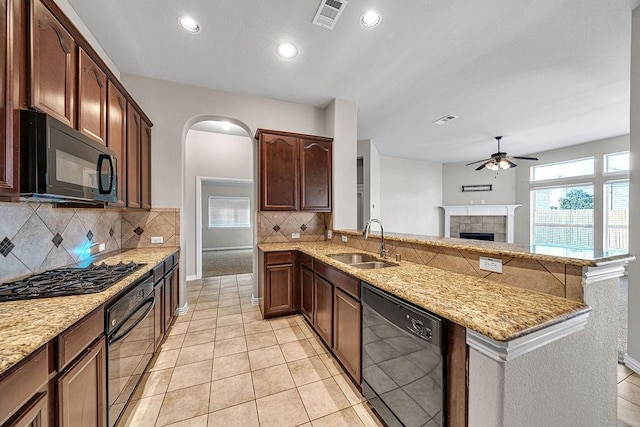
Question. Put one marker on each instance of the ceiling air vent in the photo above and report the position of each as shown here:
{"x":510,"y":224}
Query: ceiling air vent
{"x":445,"y":119}
{"x":329,"y":12}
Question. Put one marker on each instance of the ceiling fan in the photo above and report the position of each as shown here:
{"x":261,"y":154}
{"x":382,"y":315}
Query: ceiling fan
{"x":499,"y":160}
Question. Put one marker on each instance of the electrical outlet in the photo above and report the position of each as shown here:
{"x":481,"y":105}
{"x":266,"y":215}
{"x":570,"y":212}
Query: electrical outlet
{"x":329,"y":235}
{"x":295,"y":235}
{"x":157,"y":239}
{"x":345,"y":239}
{"x":491,"y":264}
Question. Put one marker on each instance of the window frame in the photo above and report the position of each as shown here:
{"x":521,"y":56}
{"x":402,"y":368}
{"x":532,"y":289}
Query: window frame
{"x":592,"y":175}
{"x":605,"y":211}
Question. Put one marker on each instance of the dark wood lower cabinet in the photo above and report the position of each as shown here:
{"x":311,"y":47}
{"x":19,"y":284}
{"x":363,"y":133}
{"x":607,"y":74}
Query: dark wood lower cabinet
{"x":306,"y":288}
{"x":175,"y":291}
{"x":323,"y":314}
{"x":158,"y":315}
{"x":82,"y":390}
{"x":279,"y":298}
{"x":347,"y":315}
{"x":35,"y":415}
{"x":166,"y":302}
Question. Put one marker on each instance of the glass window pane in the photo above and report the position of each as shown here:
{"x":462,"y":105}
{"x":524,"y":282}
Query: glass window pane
{"x":229,"y":212}
{"x":617,"y":217}
{"x":563,"y":217}
{"x":563,"y":169}
{"x":617,"y":162}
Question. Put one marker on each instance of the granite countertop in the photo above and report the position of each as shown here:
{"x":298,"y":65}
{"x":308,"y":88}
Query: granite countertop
{"x":497,"y":311}
{"x":27,"y":325}
{"x":580,"y":258}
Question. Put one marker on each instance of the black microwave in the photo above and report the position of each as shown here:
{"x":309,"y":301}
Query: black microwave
{"x":61,"y":164}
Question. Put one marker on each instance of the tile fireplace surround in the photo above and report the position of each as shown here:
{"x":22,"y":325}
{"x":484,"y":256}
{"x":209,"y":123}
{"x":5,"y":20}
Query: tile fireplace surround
{"x":497,"y":219}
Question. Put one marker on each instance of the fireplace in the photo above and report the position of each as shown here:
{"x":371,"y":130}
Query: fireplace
{"x":477,"y":236}
{"x":495,"y":219}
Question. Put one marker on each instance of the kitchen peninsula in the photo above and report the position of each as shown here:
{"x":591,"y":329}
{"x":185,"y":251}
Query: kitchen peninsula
{"x":531,"y":344}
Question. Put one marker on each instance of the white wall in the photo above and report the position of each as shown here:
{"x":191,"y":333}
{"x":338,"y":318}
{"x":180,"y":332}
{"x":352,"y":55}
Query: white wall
{"x":225,"y":238}
{"x":455,"y":175}
{"x":341,"y":119}
{"x":215,"y":156}
{"x":633,"y":340}
{"x":597,"y":149}
{"x":410,"y":196}
{"x":371,"y":165}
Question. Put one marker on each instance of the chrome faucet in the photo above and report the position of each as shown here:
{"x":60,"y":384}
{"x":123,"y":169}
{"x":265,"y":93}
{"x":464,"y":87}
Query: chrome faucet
{"x":365,"y":234}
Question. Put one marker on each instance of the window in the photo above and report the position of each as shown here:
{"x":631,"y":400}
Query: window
{"x":568,"y":169}
{"x":227,"y":212}
{"x":563,"y":217}
{"x":616,"y":213}
{"x":616,"y":162}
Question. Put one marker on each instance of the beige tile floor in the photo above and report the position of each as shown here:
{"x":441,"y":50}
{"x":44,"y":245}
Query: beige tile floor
{"x":628,"y":397}
{"x":221,"y":365}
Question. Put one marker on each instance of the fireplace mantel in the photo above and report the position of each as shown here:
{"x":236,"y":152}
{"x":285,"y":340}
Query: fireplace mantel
{"x":480,"y":210}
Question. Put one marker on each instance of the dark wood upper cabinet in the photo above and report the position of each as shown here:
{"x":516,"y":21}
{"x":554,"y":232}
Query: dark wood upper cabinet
{"x":295,"y":171}
{"x":117,"y":136}
{"x":278,"y":172}
{"x":145,"y":165}
{"x":134,"y":126}
{"x":92,"y":99}
{"x":53,"y":65}
{"x":315,"y":175}
{"x":9,"y":142}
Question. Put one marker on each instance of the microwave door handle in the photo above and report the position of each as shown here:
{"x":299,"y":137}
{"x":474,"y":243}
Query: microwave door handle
{"x":101,"y":159}
{"x":114,"y":335}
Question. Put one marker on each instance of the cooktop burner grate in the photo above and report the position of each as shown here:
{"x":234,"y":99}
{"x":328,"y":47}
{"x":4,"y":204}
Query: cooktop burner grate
{"x":67,"y":281}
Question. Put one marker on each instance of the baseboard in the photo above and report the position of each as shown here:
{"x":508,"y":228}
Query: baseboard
{"x":181,"y":311}
{"x":230,"y":248}
{"x":192,"y":277}
{"x":254,"y":300}
{"x":632,"y":363}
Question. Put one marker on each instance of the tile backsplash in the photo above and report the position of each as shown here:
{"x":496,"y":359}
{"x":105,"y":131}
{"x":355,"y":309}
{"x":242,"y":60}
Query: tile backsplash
{"x":278,"y":226}
{"x":138,"y":227}
{"x":35,"y":237}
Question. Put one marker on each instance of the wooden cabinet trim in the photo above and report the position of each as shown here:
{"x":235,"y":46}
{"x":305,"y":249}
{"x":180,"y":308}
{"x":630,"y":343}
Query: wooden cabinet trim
{"x":457,"y":376}
{"x":306,"y":260}
{"x":275,"y":258}
{"x":117,"y":137}
{"x":23,"y":383}
{"x":260,"y":132}
{"x":342,"y":280}
{"x":96,"y":131}
{"x":74,"y":340}
{"x":9,"y":148}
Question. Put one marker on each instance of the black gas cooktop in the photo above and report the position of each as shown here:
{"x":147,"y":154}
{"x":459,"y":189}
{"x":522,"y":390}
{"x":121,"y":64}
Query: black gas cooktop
{"x":67,"y":281}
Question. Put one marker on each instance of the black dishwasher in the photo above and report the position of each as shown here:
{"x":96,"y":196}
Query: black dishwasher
{"x":403,"y":360}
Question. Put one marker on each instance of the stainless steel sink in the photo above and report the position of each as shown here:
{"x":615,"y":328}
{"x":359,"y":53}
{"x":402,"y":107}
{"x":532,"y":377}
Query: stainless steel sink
{"x":364,"y":261}
{"x":373,"y":264}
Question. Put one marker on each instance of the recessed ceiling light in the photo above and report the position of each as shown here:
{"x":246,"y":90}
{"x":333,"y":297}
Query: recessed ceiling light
{"x":370,"y":18}
{"x":189,"y":24}
{"x":226,"y":126}
{"x":287,"y":50}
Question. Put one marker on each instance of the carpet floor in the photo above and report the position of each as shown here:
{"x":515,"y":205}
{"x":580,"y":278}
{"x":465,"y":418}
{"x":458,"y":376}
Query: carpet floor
{"x":224,"y":263}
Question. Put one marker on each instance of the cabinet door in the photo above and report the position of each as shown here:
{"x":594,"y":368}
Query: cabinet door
{"x":133,"y":157}
{"x":323,"y":316}
{"x":315,"y":175}
{"x":117,"y":137}
{"x":279,"y":295}
{"x":82,"y":390}
{"x":92,"y":99}
{"x":158,"y":315}
{"x":168,"y":315}
{"x":278,"y":173}
{"x":53,"y":65}
{"x":9,"y":143}
{"x":306,"y":288}
{"x":145,"y":165}
{"x":175,"y":291}
{"x":347,"y":332}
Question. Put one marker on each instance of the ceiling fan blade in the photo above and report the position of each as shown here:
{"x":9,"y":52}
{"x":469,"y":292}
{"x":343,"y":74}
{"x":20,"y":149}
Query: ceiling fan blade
{"x":482,"y":166}
{"x":473,"y":163}
{"x":511,"y":164}
{"x":523,"y":158}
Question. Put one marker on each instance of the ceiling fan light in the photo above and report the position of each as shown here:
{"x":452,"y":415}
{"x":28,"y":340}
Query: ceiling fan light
{"x":504,"y":164}
{"x":492,"y":165}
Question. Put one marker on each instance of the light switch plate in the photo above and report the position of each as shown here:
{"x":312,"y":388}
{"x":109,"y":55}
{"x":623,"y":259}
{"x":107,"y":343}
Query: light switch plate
{"x":491,"y":264}
{"x":295,"y":235}
{"x":345,"y":239}
{"x":157,"y":239}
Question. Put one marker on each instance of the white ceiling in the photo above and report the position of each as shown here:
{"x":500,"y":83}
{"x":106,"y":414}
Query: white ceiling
{"x":544,"y":73}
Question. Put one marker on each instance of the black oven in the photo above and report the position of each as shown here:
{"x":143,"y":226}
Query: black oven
{"x":130,"y":344}
{"x":60,"y":163}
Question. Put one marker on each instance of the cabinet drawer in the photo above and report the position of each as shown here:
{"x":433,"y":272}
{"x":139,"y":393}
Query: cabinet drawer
{"x":74,"y":340}
{"x":158,"y":272}
{"x":345,"y":282}
{"x":168,"y":264}
{"x":23,"y":383}
{"x":306,"y":260}
{"x":273,"y":258}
